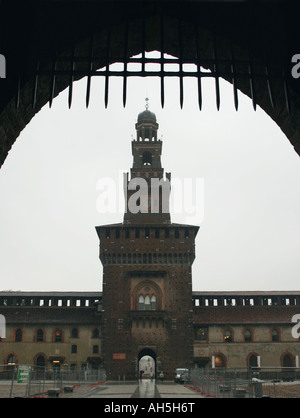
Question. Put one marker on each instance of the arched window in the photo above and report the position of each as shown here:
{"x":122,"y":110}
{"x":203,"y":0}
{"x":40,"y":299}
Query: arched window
{"x":219,"y":361}
{"x":287,"y":361}
{"x":248,"y":336}
{"x":58,"y":336}
{"x":18,"y":335}
{"x":147,"y":303}
{"x":96,"y":333}
{"x":228,"y":336}
{"x":253,"y":361}
{"x":40,"y":336}
{"x":74,"y":333}
{"x":153,"y":303}
{"x":40,"y":361}
{"x":275,"y":336}
{"x":147,"y":158}
{"x":141,"y":303}
{"x":11,"y":360}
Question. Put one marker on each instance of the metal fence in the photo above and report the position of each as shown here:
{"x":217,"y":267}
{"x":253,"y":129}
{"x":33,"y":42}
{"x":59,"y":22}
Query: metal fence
{"x":246,"y":383}
{"x":33,"y":381}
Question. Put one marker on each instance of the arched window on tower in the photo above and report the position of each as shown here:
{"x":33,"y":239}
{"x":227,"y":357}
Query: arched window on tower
{"x":147,"y":158}
{"x":153,"y":303}
{"x":147,"y":303}
{"x":141,"y":303}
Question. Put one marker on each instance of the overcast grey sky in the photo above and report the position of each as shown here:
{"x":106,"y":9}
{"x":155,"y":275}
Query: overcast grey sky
{"x":249,"y":234}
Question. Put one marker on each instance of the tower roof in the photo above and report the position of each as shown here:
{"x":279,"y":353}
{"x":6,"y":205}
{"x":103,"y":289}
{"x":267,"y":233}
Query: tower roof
{"x":146,"y":116}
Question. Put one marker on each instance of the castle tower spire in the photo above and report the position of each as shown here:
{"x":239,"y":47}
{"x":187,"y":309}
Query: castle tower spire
{"x":146,"y":126}
{"x":147,"y":192}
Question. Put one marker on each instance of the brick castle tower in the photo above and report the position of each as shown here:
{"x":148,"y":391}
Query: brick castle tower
{"x":147,"y":277}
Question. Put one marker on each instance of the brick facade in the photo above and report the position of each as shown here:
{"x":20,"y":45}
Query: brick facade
{"x":147,"y":284}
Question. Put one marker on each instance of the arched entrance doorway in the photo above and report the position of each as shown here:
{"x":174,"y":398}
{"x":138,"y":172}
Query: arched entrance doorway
{"x":147,"y":363}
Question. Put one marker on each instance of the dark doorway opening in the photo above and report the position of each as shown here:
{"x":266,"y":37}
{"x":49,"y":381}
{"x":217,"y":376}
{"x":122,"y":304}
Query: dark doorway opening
{"x":147,"y":363}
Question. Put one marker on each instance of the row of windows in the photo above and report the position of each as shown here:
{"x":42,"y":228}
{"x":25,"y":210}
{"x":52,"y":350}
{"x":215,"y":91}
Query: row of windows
{"x":246,"y":301}
{"x":74,"y":349}
{"x":201,"y":334}
{"x":51,"y":301}
{"x":57,"y":335}
{"x":41,"y":361}
{"x":146,"y":233}
{"x":254,"y":360}
{"x":155,"y":258}
{"x":147,"y":303}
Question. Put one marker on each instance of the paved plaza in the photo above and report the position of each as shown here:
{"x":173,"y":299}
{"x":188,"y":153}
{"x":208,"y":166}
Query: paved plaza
{"x":111,"y":390}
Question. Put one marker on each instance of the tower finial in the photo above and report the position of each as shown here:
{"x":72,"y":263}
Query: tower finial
{"x":147,"y":103}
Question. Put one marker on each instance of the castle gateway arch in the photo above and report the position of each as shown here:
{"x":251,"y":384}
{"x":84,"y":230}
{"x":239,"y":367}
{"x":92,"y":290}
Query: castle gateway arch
{"x":47,"y":45}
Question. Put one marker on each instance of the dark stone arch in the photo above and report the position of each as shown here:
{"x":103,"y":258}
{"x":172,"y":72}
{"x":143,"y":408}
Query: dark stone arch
{"x":150,"y":353}
{"x":76,"y":23}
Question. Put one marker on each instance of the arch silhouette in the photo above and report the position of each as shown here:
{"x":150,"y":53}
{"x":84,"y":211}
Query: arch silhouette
{"x":239,"y":42}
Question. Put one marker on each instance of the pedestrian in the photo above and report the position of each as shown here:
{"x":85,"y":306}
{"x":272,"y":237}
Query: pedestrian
{"x":161,"y":376}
